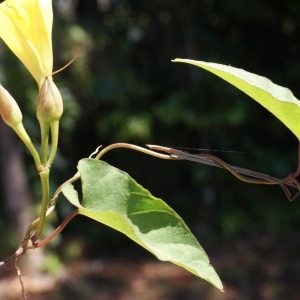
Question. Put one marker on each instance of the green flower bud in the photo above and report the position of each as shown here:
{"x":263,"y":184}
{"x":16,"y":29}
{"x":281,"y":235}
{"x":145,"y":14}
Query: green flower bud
{"x":49,"y":105}
{"x":9,"y":109}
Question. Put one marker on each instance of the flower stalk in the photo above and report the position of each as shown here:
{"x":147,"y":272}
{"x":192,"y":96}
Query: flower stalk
{"x":26,"y":28}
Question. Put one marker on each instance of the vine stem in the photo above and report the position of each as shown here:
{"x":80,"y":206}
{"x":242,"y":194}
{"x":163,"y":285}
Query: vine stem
{"x":51,"y":205}
{"x":255,"y":177}
{"x":56,"y":231}
{"x":19,"y":252}
{"x":133,"y":147}
{"x":28,"y":243}
{"x":208,"y":159}
{"x":44,"y":175}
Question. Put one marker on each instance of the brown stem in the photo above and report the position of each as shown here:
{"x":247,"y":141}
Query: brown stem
{"x":132,"y":147}
{"x":19,"y":252}
{"x":56,"y":231}
{"x":255,"y":177}
{"x":27,"y":242}
{"x":20,"y":279}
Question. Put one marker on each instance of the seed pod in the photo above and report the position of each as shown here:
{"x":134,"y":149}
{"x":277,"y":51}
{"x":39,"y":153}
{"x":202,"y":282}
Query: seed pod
{"x":9,"y":109}
{"x":49,"y":105}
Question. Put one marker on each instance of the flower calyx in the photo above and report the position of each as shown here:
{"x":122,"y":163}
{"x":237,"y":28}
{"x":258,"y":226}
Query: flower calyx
{"x":49,"y":105}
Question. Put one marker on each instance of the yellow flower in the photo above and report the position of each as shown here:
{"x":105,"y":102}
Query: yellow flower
{"x":26,"y":26}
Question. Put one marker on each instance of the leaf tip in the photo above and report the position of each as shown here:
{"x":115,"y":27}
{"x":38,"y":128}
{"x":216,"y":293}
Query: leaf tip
{"x":177,"y":60}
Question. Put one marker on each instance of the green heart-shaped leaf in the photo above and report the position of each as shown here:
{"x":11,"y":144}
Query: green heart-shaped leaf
{"x":112,"y":197}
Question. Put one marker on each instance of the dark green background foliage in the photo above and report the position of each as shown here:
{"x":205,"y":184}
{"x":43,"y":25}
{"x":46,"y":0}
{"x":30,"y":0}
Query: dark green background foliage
{"x":124,"y":88}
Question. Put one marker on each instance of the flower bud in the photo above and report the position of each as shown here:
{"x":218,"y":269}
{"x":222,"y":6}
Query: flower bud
{"x":49,"y":105}
{"x":9,"y":109}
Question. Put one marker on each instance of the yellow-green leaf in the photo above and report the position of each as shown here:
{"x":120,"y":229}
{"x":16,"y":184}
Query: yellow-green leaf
{"x":279,"y":100}
{"x":112,"y":197}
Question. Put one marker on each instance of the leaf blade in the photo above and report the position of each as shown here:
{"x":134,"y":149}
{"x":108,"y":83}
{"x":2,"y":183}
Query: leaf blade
{"x":112,"y":197}
{"x":279,"y":100}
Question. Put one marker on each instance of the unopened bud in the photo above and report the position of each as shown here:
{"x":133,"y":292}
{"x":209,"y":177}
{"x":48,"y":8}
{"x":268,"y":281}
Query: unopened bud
{"x":9,"y":109}
{"x":49,"y":105}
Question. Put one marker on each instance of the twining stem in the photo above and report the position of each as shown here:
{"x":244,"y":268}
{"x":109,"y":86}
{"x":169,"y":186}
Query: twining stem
{"x":255,"y":177}
{"x":27,"y":243}
{"x":51,"y":205}
{"x":20,"y":251}
{"x":57,"y":230}
{"x":31,"y":229}
{"x":208,"y":159}
{"x":133,"y":147}
{"x":174,"y":154}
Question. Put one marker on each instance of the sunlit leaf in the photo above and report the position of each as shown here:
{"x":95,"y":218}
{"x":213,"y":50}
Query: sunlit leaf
{"x":278,"y":100}
{"x":112,"y":197}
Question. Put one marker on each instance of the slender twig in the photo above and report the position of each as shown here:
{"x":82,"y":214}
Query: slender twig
{"x":255,"y":177}
{"x":56,"y":231}
{"x":51,"y":205}
{"x":20,"y":279}
{"x":19,"y":252}
{"x":28,"y":243}
{"x":133,"y":147}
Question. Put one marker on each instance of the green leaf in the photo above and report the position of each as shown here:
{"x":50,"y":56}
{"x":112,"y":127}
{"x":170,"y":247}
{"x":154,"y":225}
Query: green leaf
{"x":112,"y":197}
{"x":278,"y":100}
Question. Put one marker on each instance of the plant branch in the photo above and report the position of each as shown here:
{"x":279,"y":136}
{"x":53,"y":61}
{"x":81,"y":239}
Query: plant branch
{"x":56,"y":231}
{"x":51,"y":205}
{"x":28,"y":243}
{"x":19,"y":252}
{"x":133,"y":147}
{"x":255,"y":177}
{"x":45,"y":197}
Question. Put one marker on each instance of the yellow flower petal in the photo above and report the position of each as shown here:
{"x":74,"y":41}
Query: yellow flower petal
{"x":26,"y":26}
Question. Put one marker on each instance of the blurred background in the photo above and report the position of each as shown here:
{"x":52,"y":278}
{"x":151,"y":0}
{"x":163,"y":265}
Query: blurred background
{"x":123,"y":87}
